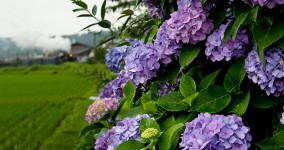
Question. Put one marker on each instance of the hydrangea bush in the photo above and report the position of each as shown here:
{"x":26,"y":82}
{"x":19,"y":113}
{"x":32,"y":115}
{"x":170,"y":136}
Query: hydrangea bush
{"x":192,"y":75}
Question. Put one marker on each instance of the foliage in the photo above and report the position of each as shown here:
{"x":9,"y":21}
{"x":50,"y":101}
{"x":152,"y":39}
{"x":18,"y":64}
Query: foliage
{"x":214,"y":69}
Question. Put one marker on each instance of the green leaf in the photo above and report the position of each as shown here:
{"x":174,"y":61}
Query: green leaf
{"x":172,"y":102}
{"x":168,"y":123}
{"x":240,"y":104}
{"x":104,"y":24}
{"x":203,"y":2}
{"x":129,"y":90}
{"x":274,"y":143}
{"x":151,"y":107}
{"x":187,"y":85}
{"x":171,"y":74}
{"x":189,"y":99}
{"x":212,"y":100}
{"x":235,"y":76}
{"x":103,"y":10}
{"x":266,"y":34}
{"x":132,"y":113}
{"x":238,"y":22}
{"x":79,"y":9}
{"x":130,"y":144}
{"x":188,"y":54}
{"x":85,"y":15}
{"x":264,"y":101}
{"x":228,"y":32}
{"x":128,"y":12}
{"x":218,"y":17}
{"x":167,"y":138}
{"x":148,"y":123}
{"x":81,"y":4}
{"x":90,"y":127}
{"x":280,"y":43}
{"x":94,"y":10}
{"x":89,"y":26}
{"x":208,"y":80}
{"x":150,"y":35}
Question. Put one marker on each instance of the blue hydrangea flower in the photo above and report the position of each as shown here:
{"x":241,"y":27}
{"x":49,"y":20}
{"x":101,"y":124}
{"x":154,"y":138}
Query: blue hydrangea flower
{"x":269,"y":3}
{"x":127,"y":129}
{"x":271,"y":78}
{"x":154,"y":9}
{"x":166,"y":47}
{"x":116,"y":56}
{"x":189,"y":24}
{"x":212,"y":132}
{"x":217,"y":50}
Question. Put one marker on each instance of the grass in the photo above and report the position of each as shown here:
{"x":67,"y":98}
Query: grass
{"x":43,"y":107}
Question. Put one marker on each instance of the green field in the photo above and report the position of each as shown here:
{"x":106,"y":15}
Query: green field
{"x":43,"y":107}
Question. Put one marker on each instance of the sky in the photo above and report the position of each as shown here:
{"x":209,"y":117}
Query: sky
{"x":47,"y":17}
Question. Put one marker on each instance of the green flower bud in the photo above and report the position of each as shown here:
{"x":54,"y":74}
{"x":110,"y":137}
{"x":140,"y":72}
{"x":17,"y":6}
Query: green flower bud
{"x":150,"y":132}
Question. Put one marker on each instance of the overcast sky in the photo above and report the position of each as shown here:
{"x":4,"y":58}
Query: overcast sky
{"x":49,"y":17}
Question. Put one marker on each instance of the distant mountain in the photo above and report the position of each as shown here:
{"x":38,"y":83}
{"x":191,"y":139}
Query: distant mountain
{"x":9,"y":49}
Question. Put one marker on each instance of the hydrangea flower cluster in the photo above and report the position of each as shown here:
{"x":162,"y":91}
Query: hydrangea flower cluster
{"x":217,"y":50}
{"x":271,"y":78}
{"x":114,"y":88}
{"x":142,"y":64}
{"x":100,"y":108}
{"x":167,"y":48}
{"x":116,"y":56}
{"x":127,"y":129}
{"x":189,"y":24}
{"x":154,"y":9}
{"x":216,"y":132}
{"x":269,"y":3}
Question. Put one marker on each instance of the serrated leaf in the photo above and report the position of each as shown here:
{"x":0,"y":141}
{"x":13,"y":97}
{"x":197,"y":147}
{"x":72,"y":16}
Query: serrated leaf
{"x":94,"y":10}
{"x":168,"y":123}
{"x":130,"y":144}
{"x":151,"y":107}
{"x":103,"y":10}
{"x":190,"y":99}
{"x":172,"y":102}
{"x":129,"y":90}
{"x":208,"y":80}
{"x":188,"y":54}
{"x":239,"y":104}
{"x":167,"y":138}
{"x":104,"y":24}
{"x":128,"y":12}
{"x":238,"y":22}
{"x":212,"y":100}
{"x":274,"y":143}
{"x":187,"y":85}
{"x":81,"y":4}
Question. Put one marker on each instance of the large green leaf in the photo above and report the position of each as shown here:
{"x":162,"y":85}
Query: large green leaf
{"x":172,"y":102}
{"x":274,"y":143}
{"x":237,"y":24}
{"x":263,"y":101}
{"x":103,"y":10}
{"x":91,"y":127}
{"x":130,"y":144}
{"x":239,"y":104}
{"x":129,"y":90}
{"x":187,"y":85}
{"x":167,"y":123}
{"x":212,"y":100}
{"x":167,"y":138}
{"x":148,"y":123}
{"x":208,"y":80}
{"x":266,"y":34}
{"x":188,"y":54}
{"x":132,"y":113}
{"x":104,"y":24}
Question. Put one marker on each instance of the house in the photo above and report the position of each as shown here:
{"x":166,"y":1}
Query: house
{"x":80,"y":52}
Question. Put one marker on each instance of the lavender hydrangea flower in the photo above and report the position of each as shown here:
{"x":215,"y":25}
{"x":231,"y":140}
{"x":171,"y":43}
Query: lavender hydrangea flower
{"x":116,"y":56}
{"x":154,"y":9}
{"x":189,"y":24}
{"x":100,"y":108}
{"x":271,"y":78}
{"x":269,"y":3}
{"x":114,"y":88}
{"x":127,"y":129}
{"x":215,"y":132}
{"x":167,"y":48}
{"x":142,"y":64}
{"x":217,"y":50}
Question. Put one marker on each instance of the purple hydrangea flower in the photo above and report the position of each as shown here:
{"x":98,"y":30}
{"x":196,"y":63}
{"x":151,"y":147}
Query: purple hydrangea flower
{"x":271,"y":78}
{"x":127,"y":129}
{"x":116,"y":56}
{"x":216,"y":132}
{"x":154,"y":9}
{"x":142,"y":64}
{"x":167,"y":48}
{"x":282,"y":119}
{"x":269,"y":3}
{"x":114,"y":88}
{"x":166,"y":87}
{"x":189,"y":24}
{"x":217,"y":50}
{"x":100,"y":108}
